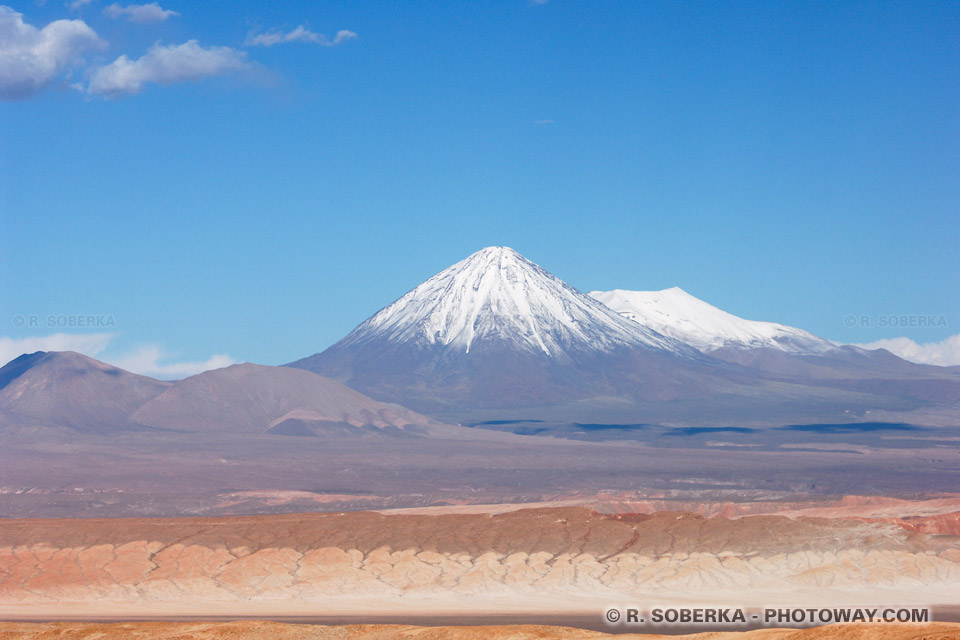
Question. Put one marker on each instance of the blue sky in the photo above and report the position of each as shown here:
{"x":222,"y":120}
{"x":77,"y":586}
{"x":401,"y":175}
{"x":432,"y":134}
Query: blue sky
{"x":207,"y":194}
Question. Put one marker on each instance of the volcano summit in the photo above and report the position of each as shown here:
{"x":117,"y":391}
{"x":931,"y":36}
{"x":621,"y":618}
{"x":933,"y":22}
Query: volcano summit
{"x":498,"y":297}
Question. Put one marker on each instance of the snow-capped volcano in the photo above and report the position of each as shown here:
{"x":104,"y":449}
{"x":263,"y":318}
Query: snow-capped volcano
{"x":497,"y":337}
{"x":496,"y":330}
{"x":677,"y":314}
{"x":497,"y":295}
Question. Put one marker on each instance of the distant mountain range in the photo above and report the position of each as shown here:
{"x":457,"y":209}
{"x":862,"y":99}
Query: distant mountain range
{"x":56,"y":390}
{"x":409,"y":410}
{"x":497,"y":336}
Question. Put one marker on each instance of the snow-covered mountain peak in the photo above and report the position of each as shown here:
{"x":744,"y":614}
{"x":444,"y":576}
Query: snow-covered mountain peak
{"x":489,"y":253}
{"x":677,"y":314}
{"x":497,"y":296}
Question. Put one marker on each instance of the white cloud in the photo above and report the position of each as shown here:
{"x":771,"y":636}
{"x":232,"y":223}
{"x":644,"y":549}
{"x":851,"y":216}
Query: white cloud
{"x":164,"y":65}
{"x":944,"y":353}
{"x":76,"y":4}
{"x":148,"y":360}
{"x":300,"y":34}
{"x":139,"y":12}
{"x":343,"y":35}
{"x":31,"y":58}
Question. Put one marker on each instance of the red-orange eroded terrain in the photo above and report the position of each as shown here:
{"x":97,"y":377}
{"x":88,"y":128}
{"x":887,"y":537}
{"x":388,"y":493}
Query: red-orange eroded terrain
{"x":528,"y":559}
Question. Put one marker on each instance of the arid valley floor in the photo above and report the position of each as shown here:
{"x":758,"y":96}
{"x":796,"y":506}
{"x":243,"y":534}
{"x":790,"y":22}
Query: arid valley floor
{"x":445,"y":537}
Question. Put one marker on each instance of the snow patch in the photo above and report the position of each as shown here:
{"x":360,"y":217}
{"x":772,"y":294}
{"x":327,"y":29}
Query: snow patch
{"x":675,"y":313}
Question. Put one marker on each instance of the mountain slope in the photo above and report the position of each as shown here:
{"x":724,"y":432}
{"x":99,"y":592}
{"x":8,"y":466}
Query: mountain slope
{"x":877,"y":372}
{"x":67,"y":389}
{"x":780,"y":353}
{"x":679,"y":315}
{"x":251,"y":398}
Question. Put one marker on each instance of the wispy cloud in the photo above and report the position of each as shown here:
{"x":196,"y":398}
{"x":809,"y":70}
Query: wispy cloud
{"x":944,"y":353}
{"x":139,"y":12}
{"x":30,"y":58}
{"x":151,"y":360}
{"x":77,"y":4}
{"x":164,"y":65}
{"x":148,"y":360}
{"x":300,"y":34}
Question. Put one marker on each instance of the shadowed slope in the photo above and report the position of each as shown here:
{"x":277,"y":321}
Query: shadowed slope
{"x":67,"y":389}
